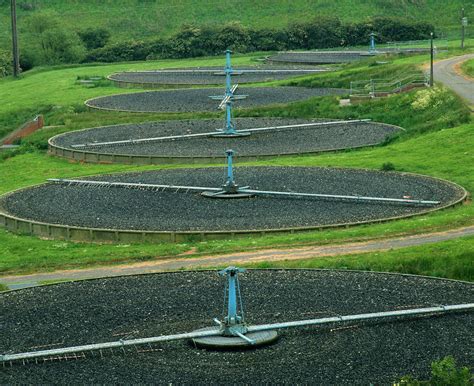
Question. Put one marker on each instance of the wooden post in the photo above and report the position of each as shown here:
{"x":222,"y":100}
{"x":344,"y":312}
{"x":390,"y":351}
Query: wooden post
{"x":431,"y":61}
{"x":16,"y":51}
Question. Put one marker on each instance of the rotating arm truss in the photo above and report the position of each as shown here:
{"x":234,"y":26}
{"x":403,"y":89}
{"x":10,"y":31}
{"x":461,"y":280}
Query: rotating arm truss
{"x":201,"y":189}
{"x":210,"y":134}
{"x":45,"y":354}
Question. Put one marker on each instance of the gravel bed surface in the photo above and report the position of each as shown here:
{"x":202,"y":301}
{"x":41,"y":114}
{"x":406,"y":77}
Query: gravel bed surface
{"x":296,"y":140}
{"x":119,"y":208}
{"x":328,"y":57}
{"x":143,"y":306}
{"x":212,"y":75}
{"x":186,"y":100}
{"x":323,"y":57}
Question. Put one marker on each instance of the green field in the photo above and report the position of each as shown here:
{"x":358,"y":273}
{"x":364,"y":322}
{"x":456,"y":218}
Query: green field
{"x":157,"y":18}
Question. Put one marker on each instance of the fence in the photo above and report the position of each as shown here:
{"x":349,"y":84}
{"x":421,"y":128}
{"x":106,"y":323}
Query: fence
{"x":383,"y":87}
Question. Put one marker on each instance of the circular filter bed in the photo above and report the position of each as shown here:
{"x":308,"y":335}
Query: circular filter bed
{"x":318,"y":57}
{"x":208,"y":75}
{"x":144,"y":306}
{"x":186,"y":100}
{"x":298,"y":140}
{"x":170,"y":211}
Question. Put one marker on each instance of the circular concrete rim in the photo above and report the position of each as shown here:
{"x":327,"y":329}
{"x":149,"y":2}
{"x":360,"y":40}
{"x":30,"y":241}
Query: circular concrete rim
{"x":88,"y":156}
{"x":261,"y":338}
{"x":87,"y":103}
{"x":102,"y":235}
{"x":248,"y":269}
{"x":147,"y":85}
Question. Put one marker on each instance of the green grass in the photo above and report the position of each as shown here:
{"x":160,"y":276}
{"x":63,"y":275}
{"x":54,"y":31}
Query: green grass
{"x":148,"y":18}
{"x":449,"y":259}
{"x":468,"y":68}
{"x":3,"y":287}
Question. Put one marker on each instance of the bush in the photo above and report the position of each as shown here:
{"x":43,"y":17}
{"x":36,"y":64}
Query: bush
{"x":120,"y":52}
{"x":94,"y":37}
{"x":388,"y":166}
{"x":194,"y":41}
{"x":268,"y":40}
{"x":6,"y":63}
{"x":443,"y":372}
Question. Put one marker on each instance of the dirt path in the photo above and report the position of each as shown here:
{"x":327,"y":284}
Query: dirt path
{"x":445,"y":71}
{"x":236,"y":258}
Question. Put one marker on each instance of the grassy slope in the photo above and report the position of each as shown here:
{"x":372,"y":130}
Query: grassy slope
{"x":468,"y":68}
{"x":149,"y":18}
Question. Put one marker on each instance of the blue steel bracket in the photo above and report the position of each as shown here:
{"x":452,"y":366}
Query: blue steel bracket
{"x":234,"y":324}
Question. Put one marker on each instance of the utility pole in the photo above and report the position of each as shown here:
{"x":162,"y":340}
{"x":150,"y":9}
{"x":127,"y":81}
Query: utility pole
{"x":16,"y":51}
{"x":431,"y":60}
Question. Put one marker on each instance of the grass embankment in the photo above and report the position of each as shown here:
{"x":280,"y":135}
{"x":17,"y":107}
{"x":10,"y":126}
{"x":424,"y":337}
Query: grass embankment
{"x":468,"y":68}
{"x":437,"y":142}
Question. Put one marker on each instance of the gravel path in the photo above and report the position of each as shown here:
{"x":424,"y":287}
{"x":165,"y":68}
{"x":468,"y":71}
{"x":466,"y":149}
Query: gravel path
{"x":212,"y":75}
{"x":186,"y":262}
{"x":445,"y":72}
{"x":186,"y":100}
{"x":289,"y":141}
{"x":142,"y":306}
{"x":118,"y":208}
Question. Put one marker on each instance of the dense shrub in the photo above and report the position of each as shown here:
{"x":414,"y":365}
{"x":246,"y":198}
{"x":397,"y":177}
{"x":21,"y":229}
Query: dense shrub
{"x":94,"y":37}
{"x":6,"y":61}
{"x":322,"y":32}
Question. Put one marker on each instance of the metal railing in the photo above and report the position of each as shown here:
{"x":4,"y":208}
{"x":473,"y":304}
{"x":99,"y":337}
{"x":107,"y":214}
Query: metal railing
{"x":383,"y":87}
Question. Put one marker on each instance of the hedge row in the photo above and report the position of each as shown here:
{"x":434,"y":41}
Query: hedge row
{"x":326,"y":32}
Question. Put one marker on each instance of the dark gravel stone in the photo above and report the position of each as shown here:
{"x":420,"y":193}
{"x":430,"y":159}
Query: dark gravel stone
{"x":185,"y":100}
{"x":318,"y":57}
{"x":212,"y":75}
{"x":328,"y":57}
{"x":288,"y":141}
{"x":119,"y":208}
{"x":143,"y":306}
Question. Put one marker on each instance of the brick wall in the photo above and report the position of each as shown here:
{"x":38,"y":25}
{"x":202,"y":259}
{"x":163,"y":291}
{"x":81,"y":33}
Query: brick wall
{"x":25,"y":130}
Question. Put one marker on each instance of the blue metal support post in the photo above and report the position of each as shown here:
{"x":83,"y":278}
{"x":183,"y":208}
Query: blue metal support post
{"x":228,"y":73}
{"x":372,"y":43}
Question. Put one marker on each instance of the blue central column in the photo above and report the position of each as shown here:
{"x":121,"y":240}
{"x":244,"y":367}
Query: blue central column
{"x":230,"y":167}
{"x":372,"y":42}
{"x":233,"y":323}
{"x":228,"y":73}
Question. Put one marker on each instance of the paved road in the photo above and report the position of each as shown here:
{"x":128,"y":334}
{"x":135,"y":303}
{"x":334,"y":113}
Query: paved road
{"x":238,"y":258}
{"x":445,"y":72}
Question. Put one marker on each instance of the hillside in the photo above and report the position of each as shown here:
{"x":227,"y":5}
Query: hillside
{"x":158,"y":18}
